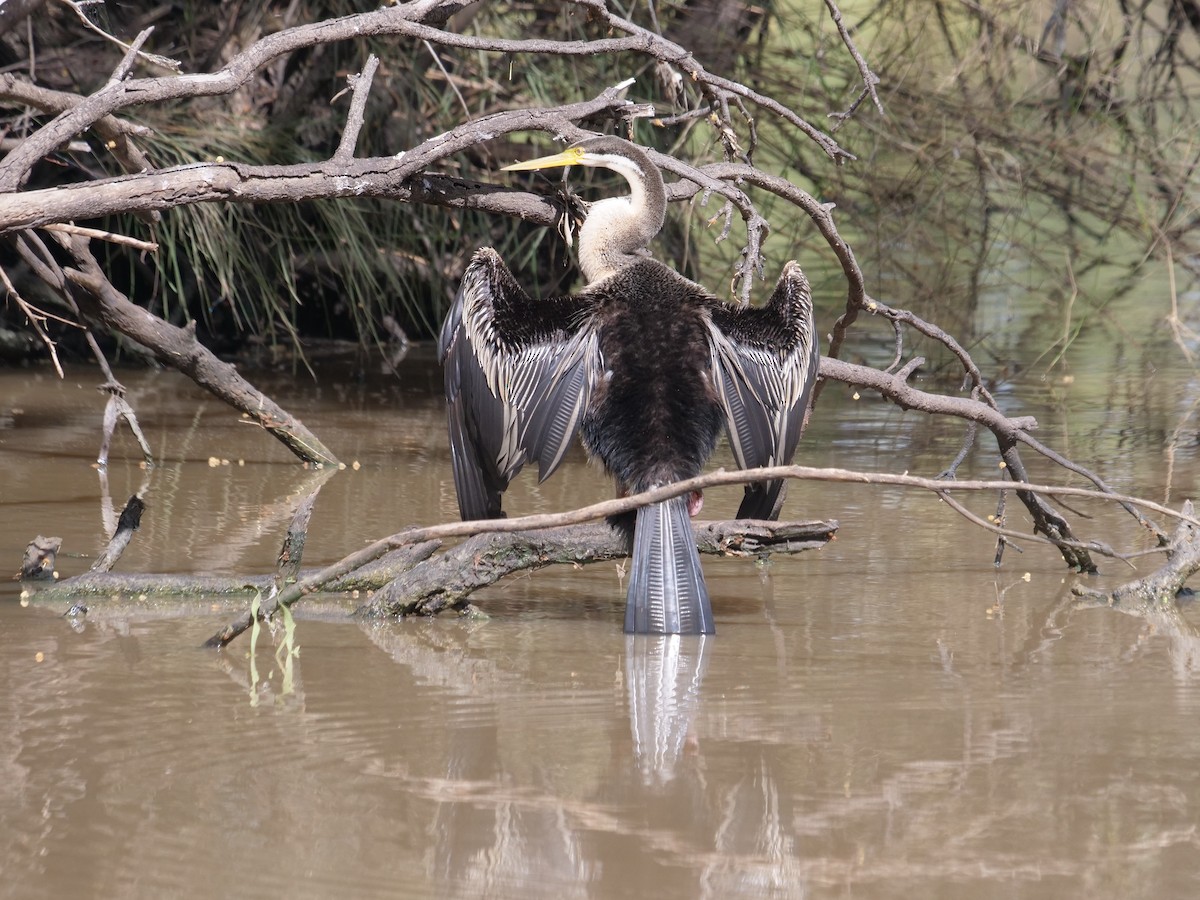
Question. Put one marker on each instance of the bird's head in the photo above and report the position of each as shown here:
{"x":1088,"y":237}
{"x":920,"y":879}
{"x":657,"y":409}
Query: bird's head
{"x":617,"y":229}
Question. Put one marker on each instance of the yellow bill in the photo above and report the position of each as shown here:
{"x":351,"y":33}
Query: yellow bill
{"x":572,"y":156}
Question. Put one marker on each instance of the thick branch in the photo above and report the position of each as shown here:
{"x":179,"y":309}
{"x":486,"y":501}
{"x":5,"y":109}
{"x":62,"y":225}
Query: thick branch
{"x":390,"y":176}
{"x":113,"y":132}
{"x":318,"y":580}
{"x":738,"y":538}
{"x":360,"y":88}
{"x":906,"y":396}
{"x":370,"y":577}
{"x":1161,"y":587}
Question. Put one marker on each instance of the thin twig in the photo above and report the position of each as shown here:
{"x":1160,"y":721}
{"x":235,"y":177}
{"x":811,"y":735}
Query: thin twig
{"x":651,"y":43}
{"x":870,"y":79}
{"x":1179,"y":331}
{"x":110,"y":236}
{"x":35,"y":317}
{"x":131,"y":49}
{"x":449,"y":80}
{"x":360,"y":87}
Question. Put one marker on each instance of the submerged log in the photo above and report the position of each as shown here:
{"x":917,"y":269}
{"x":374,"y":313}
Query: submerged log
{"x":1163,"y":586}
{"x":446,"y":580}
{"x":121,"y":586}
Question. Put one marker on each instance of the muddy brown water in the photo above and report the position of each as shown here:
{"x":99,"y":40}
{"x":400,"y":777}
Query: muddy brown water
{"x":889,"y":717}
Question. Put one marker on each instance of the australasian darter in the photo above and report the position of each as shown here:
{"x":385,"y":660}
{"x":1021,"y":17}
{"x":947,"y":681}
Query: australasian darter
{"x":644,"y":364}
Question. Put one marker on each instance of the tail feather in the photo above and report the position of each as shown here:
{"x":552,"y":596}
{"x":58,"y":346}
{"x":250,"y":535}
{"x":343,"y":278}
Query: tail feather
{"x":666,"y":585}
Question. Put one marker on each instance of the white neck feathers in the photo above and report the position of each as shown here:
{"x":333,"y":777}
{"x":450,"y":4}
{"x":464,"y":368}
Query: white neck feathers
{"x":618,"y":228}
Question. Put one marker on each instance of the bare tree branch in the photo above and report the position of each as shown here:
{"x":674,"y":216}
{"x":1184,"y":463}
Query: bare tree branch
{"x":1159,"y":589}
{"x":446,"y":580}
{"x":393,"y":177}
{"x":672,"y":53}
{"x":133,"y":50}
{"x":360,"y":87}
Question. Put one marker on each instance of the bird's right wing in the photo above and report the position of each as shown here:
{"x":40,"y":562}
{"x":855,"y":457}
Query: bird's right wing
{"x":518,"y":376}
{"x":765,"y":363}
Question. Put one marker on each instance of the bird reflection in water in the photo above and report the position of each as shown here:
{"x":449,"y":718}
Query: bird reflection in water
{"x":663,"y":674}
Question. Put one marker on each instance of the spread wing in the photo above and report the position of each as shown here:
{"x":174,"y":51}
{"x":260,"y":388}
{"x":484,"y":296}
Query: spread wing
{"x":518,"y":375}
{"x":765,"y":363}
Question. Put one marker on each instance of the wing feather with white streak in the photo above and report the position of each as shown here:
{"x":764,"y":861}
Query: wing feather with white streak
{"x":765,"y":363}
{"x":518,"y":376}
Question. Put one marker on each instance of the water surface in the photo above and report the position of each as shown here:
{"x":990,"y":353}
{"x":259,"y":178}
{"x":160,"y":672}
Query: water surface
{"x":889,"y":717}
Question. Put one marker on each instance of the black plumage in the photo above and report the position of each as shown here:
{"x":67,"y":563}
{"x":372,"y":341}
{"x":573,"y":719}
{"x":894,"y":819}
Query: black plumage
{"x":648,"y":368}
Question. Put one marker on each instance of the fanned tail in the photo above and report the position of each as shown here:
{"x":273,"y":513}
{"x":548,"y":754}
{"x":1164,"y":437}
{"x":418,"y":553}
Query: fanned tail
{"x":666,"y":585}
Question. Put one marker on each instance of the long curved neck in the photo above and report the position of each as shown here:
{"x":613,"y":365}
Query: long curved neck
{"x":617,"y":228}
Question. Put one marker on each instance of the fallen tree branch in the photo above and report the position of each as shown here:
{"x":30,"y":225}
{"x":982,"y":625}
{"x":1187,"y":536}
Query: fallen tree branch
{"x":178,"y":348}
{"x":318,"y":580}
{"x":736,"y":537}
{"x":1155,"y":597}
{"x":118,"y":585}
{"x":446,"y":580}
{"x":730,"y":534}
{"x":1161,"y":587}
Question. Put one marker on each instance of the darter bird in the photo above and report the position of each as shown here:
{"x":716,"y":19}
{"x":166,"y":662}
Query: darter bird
{"x":645,"y":365}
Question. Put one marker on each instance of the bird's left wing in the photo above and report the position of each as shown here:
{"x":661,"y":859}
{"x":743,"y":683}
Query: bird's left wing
{"x":517,"y":375}
{"x":765,"y":363}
